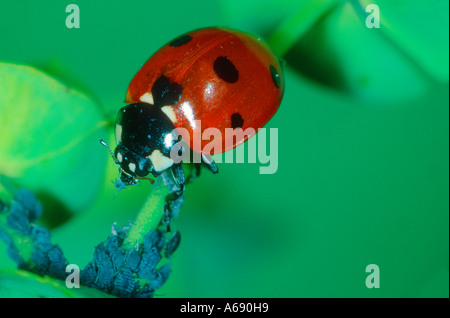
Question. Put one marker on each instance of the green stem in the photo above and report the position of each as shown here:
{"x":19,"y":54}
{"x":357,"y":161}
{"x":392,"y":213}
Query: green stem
{"x":149,"y":216}
{"x":296,"y":24}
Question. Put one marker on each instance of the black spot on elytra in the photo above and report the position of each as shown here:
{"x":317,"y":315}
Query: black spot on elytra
{"x":181,"y":40}
{"x":237,"y":121}
{"x":276,"y":78}
{"x":226,"y":70}
{"x":166,"y":93}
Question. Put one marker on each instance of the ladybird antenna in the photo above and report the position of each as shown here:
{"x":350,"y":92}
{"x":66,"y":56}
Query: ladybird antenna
{"x":103,"y":143}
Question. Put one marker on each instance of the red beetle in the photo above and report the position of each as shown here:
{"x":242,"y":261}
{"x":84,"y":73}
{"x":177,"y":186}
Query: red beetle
{"x":224,"y":78}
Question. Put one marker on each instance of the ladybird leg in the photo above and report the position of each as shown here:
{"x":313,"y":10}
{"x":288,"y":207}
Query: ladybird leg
{"x":172,"y":207}
{"x":198,"y":169}
{"x":175,"y":195}
{"x":178,"y":174}
{"x":167,"y":215}
{"x":209,"y":162}
{"x":174,"y":200}
{"x":180,"y":181}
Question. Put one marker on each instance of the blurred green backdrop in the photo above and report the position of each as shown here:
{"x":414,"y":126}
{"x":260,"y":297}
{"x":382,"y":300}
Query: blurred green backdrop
{"x":363,"y":145}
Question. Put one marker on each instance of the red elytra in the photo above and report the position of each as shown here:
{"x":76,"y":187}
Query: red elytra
{"x":229,"y":79}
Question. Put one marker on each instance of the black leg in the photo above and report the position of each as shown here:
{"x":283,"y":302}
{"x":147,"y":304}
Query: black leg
{"x":174,"y":200}
{"x":178,"y":174}
{"x":209,"y":162}
{"x":167,"y":215}
{"x":172,"y":207}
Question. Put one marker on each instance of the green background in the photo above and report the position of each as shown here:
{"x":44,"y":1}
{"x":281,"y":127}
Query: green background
{"x":363,"y":145}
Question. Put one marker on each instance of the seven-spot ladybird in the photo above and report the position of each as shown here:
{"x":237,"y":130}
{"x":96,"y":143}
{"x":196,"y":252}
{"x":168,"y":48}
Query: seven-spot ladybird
{"x":224,"y":78}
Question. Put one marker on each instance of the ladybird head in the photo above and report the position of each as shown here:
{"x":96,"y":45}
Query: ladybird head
{"x":127,"y":169}
{"x":132,"y":164}
{"x":145,"y":137}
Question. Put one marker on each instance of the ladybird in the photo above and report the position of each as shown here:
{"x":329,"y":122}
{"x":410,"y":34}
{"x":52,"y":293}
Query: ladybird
{"x":221,"y":77}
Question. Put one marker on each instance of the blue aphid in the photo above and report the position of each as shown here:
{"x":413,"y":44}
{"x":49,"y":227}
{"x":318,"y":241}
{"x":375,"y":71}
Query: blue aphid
{"x":172,"y":244}
{"x":105,"y":276}
{"x":41,"y":238}
{"x":39,"y":232}
{"x":153,"y":239}
{"x":158,"y":277}
{"x":18,"y":220}
{"x":31,"y":204}
{"x":41,"y":261}
{"x":57,"y":265}
{"x":112,"y":243}
{"x":133,"y":260}
{"x":124,"y":283}
{"x":88,"y":275}
{"x":122,"y":234}
{"x":118,"y":258}
{"x":101,"y":255}
{"x":148,"y":263}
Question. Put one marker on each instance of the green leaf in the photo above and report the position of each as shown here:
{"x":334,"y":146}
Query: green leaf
{"x":297,"y":23}
{"x":256,"y":15}
{"x":49,"y":137}
{"x":22,"y":284}
{"x":342,"y":52}
{"x":420,"y":30}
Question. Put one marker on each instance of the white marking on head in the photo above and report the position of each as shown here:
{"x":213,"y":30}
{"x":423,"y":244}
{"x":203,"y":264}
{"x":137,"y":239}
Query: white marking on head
{"x":119,"y":157}
{"x":168,"y":140}
{"x":132,"y":167}
{"x":160,"y":162}
{"x":168,"y":110}
{"x":147,"y":98}
{"x":118,"y":134}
